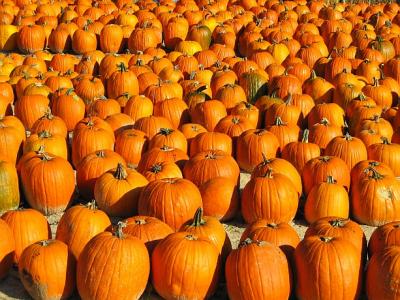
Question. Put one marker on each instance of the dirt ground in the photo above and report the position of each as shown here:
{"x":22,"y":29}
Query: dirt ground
{"x":11,"y":288}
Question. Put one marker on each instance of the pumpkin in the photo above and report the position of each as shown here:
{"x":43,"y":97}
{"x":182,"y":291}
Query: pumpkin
{"x":169,"y":137}
{"x":360,"y":170}
{"x":343,"y":228}
{"x":138,"y":107}
{"x":90,"y":135}
{"x":208,"y":113}
{"x":28,"y":226}
{"x":131,"y":144}
{"x":7,"y":249}
{"x":279,"y":234}
{"x":387,"y":153}
{"x":384,"y":236}
{"x":79,"y":224}
{"x":351,"y":149}
{"x":117,"y":191}
{"x":51,"y":124}
{"x":122,"y":81}
{"x":31,"y":108}
{"x":58,"y":281}
{"x":269,"y":190}
{"x":281,"y":166}
{"x":299,"y":153}
{"x":180,"y":253}
{"x":228,"y":198}
{"x":92,"y":167}
{"x":374,"y":198}
{"x":317,"y":169}
{"x":157,"y":197}
{"x":48,"y":181}
{"x":54,"y":144}
{"x":123,"y":269}
{"x":286,"y":133}
{"x":9,"y":197}
{"x":150,"y":230}
{"x":315,"y":255}
{"x":69,"y":107}
{"x":175,"y":110}
{"x":326,"y":199}
{"x":258,"y":268}
{"x":210,"y":164}
{"x":383,"y":263}
{"x":31,"y":38}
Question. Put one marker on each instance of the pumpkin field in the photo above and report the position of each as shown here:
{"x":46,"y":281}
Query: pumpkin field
{"x":199,"y":149}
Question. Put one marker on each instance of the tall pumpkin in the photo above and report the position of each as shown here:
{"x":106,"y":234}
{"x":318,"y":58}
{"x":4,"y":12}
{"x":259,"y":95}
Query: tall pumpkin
{"x":182,"y":253}
{"x":121,"y":272}
{"x":375,"y":199}
{"x":384,"y":236}
{"x":258,"y":269}
{"x":117,"y":191}
{"x":319,"y":259}
{"x":122,"y":81}
{"x":269,"y":196}
{"x":79,"y":225}
{"x":48,"y":182}
{"x":326,"y":199}
{"x":47,"y":270}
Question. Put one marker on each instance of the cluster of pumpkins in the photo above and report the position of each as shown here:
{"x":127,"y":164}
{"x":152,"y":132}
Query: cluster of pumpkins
{"x":153,"y":109}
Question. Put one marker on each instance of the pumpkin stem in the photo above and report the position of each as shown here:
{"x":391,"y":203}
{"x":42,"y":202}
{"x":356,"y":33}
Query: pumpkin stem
{"x":198,"y":218}
{"x":156,"y":168}
{"x":210,"y":155}
{"x":375,"y":82}
{"x":313,"y":75}
{"x":374,"y":173}
{"x":338,"y":222}
{"x":385,"y":140}
{"x":165,"y":148}
{"x":325,"y":239}
{"x":306,"y":133}
{"x":121,"y":67}
{"x":92,"y":204}
{"x":140,"y":221}
{"x":268,"y":173}
{"x":118,"y":233}
{"x":191,"y":237}
{"x":120,"y":172}
{"x":272,"y":225}
{"x":48,"y":115}
{"x":324,"y":121}
{"x":325,"y":158}
{"x":236,"y":120}
{"x":330,"y":179}
{"x":166,"y":131}
{"x":45,"y":134}
{"x":348,"y":137}
{"x":44,"y":243}
{"x":265,"y":159}
{"x":100,"y":153}
{"x":279,"y":122}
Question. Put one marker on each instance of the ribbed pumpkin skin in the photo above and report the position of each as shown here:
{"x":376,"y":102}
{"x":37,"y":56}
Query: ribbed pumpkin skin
{"x":257,"y":270}
{"x":318,"y":262}
{"x":343,"y":228}
{"x":9,"y":190}
{"x":384,"y":236}
{"x":112,"y":267}
{"x":117,"y":191}
{"x":79,"y":225}
{"x":92,"y":167}
{"x":28,"y":226}
{"x":382,"y":274}
{"x":48,"y":183}
{"x":7,"y":248}
{"x":210,"y":164}
{"x":47,"y":270}
{"x":272,"y":197}
{"x":150,"y":230}
{"x":280,"y":234}
{"x":183,"y":253}
{"x":172,"y":200}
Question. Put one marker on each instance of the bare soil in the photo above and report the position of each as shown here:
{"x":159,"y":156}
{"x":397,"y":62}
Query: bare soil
{"x":11,"y":288}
